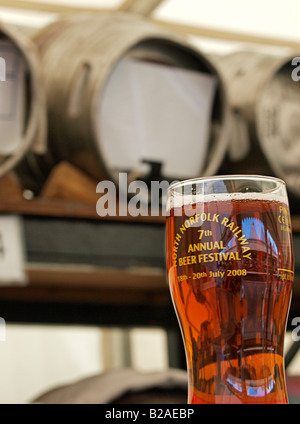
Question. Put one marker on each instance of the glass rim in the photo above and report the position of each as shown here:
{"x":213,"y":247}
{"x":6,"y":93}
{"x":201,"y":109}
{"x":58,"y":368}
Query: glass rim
{"x":250,"y":177}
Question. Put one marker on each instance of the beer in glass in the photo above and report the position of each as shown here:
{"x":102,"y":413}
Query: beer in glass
{"x":230,"y":269}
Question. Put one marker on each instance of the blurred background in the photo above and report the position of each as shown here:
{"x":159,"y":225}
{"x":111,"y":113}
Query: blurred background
{"x":157,"y":89}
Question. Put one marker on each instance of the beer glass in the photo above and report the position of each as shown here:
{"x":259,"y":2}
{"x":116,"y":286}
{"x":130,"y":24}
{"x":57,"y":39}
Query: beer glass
{"x":230,"y":269}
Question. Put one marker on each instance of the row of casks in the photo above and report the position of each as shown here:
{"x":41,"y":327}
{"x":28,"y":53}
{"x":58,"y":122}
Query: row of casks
{"x":115,"y":93}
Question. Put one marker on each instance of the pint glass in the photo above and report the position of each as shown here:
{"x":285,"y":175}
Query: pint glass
{"x":230,"y":269}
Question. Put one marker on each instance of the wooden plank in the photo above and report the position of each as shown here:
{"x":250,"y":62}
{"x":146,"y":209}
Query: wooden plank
{"x":70,"y":284}
{"x":183,"y":28}
{"x":100,"y":297}
{"x":212,"y":33}
{"x":47,"y":7}
{"x":143,"y":7}
{"x":96,"y":278}
{"x":140,"y":7}
{"x":67,"y":209}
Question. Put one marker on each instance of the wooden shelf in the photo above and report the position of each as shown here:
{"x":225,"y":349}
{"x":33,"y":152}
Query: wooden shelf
{"x":66,"y":209}
{"x":85,"y":269}
{"x":63,"y":209}
{"x":90,"y":295}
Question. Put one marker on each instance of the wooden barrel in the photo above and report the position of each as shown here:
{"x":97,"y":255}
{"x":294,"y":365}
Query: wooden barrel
{"x":83,"y":57}
{"x":22,"y":103}
{"x":265,"y":106}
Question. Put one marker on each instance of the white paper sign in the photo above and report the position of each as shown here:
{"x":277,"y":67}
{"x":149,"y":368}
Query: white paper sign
{"x":12,"y":98}
{"x":12,"y":255}
{"x":156,"y":112}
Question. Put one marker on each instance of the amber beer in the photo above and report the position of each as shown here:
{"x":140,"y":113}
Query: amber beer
{"x":230,"y":269}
